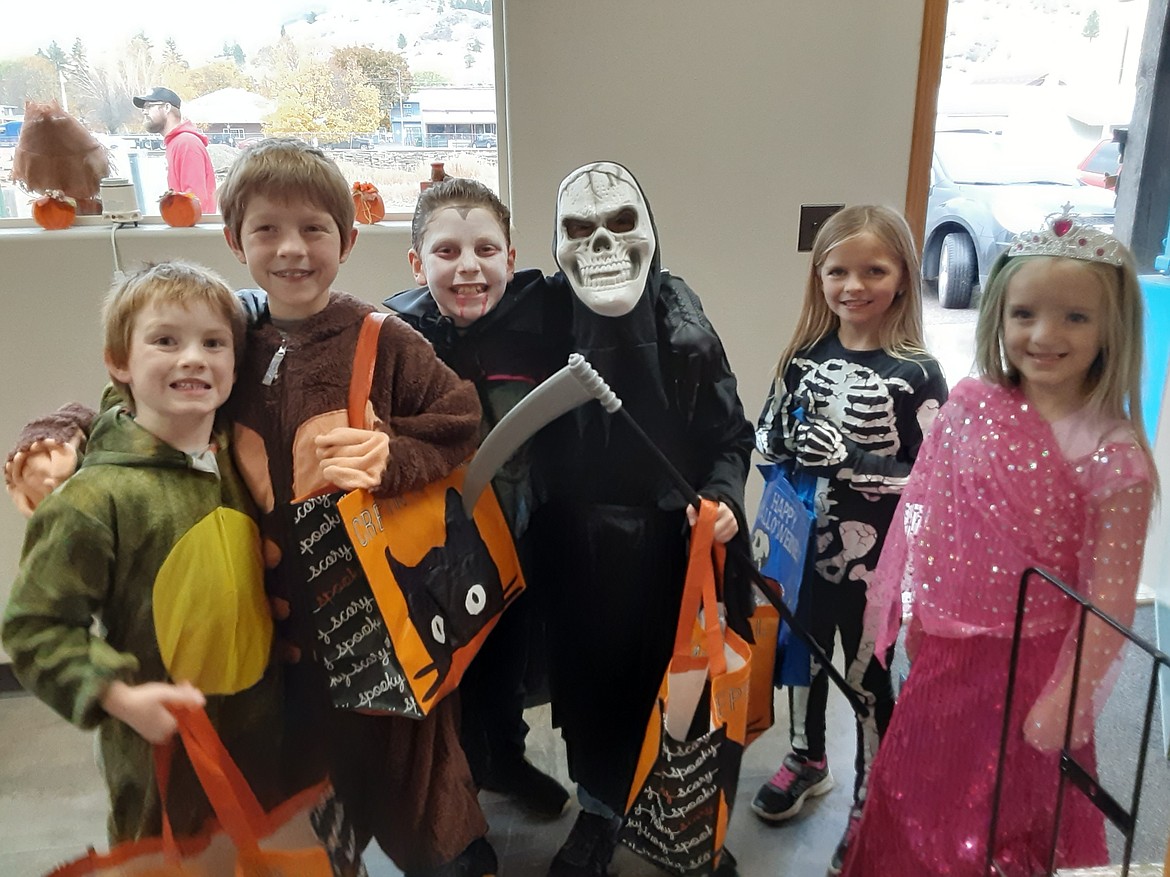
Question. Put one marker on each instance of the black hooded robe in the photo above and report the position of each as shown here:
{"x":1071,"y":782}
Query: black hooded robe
{"x":610,"y":539}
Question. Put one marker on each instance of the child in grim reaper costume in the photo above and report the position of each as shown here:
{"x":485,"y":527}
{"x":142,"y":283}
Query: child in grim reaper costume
{"x":611,"y":538}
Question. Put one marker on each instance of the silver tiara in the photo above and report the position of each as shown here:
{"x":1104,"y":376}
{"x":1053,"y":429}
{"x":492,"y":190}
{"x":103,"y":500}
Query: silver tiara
{"x":1064,"y":235}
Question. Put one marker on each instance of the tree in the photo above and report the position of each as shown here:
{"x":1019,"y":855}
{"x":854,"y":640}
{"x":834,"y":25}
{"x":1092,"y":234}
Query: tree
{"x":401,"y":41}
{"x":469,"y":60}
{"x":1092,"y":26}
{"x":56,"y":56}
{"x":54,"y":53}
{"x":233,"y":52}
{"x":280,"y":57}
{"x":475,"y":45}
{"x":171,"y":56}
{"x":429,"y":78}
{"x":221,"y":73}
{"x":173,"y":69}
{"x":323,"y":100}
{"x":88,"y":90}
{"x":30,"y":78}
{"x":387,"y":72}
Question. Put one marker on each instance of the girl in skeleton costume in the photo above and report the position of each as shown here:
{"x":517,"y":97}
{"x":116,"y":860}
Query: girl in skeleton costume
{"x":1041,"y":461}
{"x":611,"y":537}
{"x":855,"y":393}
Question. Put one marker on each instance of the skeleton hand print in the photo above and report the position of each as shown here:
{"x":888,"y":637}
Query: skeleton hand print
{"x":819,"y":443}
{"x":857,"y":400}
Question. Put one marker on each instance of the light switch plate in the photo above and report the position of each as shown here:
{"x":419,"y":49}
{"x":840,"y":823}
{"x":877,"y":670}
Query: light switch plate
{"x":812,"y":217}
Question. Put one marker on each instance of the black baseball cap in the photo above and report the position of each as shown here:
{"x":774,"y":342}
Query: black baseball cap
{"x":158,"y":95}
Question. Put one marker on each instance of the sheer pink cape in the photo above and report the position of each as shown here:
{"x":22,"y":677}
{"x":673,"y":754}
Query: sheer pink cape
{"x":997,"y":489}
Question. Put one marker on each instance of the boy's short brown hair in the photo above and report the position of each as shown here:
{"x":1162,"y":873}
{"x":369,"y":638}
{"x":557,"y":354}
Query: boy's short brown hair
{"x":172,"y":282}
{"x":282,"y":168}
{"x":457,"y":192}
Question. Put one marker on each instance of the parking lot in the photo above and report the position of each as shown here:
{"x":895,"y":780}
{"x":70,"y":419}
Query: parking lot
{"x":950,"y":336}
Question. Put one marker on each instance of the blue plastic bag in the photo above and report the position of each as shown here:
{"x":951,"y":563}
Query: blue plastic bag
{"x":780,"y":539}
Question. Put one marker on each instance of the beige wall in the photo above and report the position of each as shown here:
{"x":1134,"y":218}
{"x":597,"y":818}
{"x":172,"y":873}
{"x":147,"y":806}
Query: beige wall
{"x":730,"y":114}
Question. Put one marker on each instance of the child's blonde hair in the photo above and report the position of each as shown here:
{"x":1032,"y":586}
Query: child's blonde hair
{"x":457,"y":192}
{"x":1114,"y":378}
{"x":172,"y":282}
{"x":900,"y":333}
{"x":282,"y":168}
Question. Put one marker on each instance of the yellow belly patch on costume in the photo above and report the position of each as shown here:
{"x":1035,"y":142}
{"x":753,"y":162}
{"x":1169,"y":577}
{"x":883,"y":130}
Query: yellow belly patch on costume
{"x":211,"y":617}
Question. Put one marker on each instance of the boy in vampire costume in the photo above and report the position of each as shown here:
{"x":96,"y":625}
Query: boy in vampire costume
{"x":611,"y":537}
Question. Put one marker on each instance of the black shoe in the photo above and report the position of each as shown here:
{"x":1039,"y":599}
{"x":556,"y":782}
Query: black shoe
{"x":588,"y":848}
{"x":534,"y":790}
{"x":726,"y":866}
{"x":478,"y":860}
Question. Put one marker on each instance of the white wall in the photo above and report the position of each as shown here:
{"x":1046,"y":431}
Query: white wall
{"x":731,"y":114}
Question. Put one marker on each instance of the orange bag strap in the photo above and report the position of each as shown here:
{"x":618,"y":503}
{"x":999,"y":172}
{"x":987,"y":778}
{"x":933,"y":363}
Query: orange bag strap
{"x":236,"y":808}
{"x":706,"y":557}
{"x":163,"y":755}
{"x":365,"y":356}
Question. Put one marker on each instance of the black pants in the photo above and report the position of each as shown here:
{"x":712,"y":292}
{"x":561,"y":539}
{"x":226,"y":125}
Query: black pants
{"x":838,"y":607}
{"x":493,"y":693}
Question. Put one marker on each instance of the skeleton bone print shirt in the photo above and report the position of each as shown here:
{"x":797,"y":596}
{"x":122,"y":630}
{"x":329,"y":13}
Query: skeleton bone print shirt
{"x":882,"y":407}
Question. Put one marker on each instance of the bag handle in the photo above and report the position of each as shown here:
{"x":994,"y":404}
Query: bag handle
{"x":365,"y":357}
{"x":705,"y":561}
{"x":163,"y":754}
{"x":236,"y":808}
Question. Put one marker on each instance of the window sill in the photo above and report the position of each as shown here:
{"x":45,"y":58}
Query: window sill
{"x":95,"y":226}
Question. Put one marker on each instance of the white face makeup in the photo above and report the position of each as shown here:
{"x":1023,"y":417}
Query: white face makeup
{"x":605,"y":239}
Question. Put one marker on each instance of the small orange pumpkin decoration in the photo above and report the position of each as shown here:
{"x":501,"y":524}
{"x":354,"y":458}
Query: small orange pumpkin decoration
{"x":367,"y":203}
{"x":180,"y":209}
{"x":54,"y":210}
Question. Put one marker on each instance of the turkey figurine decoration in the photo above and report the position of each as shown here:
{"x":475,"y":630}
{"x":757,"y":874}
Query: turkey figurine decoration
{"x":54,"y":210}
{"x":180,"y":209}
{"x":367,"y":203}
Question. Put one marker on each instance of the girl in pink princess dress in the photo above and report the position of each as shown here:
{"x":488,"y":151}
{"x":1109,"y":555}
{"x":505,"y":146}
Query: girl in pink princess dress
{"x":1041,"y":461}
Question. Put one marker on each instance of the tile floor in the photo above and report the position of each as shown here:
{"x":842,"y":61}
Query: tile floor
{"x":52,"y":803}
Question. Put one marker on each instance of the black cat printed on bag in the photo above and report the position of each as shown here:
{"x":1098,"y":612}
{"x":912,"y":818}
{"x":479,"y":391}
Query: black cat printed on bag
{"x":453,"y":592}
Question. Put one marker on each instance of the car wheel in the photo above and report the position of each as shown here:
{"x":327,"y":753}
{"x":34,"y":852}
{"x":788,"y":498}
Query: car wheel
{"x":956,"y":271}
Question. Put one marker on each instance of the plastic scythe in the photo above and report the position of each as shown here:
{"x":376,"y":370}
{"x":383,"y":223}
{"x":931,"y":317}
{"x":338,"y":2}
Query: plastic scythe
{"x":572,"y":386}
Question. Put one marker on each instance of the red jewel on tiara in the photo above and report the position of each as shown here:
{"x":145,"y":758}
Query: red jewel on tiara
{"x":1065,"y":235}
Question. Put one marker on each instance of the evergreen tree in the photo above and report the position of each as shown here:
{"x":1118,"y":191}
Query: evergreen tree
{"x":1092,"y":26}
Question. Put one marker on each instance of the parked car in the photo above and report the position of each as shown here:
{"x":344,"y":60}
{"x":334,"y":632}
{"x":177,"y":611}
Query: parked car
{"x":986,"y":189}
{"x":484,"y":141}
{"x":351,"y":143}
{"x":1103,"y":159}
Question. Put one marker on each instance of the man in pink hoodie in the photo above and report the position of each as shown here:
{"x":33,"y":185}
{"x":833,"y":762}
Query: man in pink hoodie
{"x":188,"y":161}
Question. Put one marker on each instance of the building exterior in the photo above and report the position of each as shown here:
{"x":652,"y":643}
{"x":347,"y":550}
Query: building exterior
{"x":446,"y":116}
{"x":229,"y":115}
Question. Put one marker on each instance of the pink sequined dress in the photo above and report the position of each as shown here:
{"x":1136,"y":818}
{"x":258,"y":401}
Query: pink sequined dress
{"x":997,"y":489}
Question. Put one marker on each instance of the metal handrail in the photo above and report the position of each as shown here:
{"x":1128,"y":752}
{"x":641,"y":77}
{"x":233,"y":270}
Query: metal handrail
{"x":1071,"y":770}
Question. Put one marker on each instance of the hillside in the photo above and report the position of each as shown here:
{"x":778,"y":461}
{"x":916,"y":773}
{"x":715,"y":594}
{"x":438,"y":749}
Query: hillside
{"x":439,"y":39}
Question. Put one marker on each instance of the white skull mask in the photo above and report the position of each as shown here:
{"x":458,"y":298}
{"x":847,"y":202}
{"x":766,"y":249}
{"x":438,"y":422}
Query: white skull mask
{"x":605,"y":239}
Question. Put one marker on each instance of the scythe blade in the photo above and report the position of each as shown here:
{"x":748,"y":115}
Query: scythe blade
{"x":574,"y":385}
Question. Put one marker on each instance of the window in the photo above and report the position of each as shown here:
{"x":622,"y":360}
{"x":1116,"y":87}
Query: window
{"x":386,"y":88}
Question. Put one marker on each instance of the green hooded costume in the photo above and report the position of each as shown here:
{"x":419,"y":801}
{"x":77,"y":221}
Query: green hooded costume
{"x":165,"y":553}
